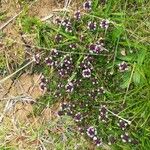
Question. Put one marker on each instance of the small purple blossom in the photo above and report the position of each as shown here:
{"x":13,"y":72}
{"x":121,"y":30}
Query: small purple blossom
{"x":95,"y":48}
{"x":62,"y":72}
{"x":57,"y":21}
{"x":111,"y":140}
{"x":123,"y":66}
{"x":92,"y":25}
{"x":122,"y":124}
{"x":100,"y":91}
{"x":77,"y":15}
{"x":87,"y":5}
{"x":69,"y":87}
{"x":58,"y":38}
{"x":57,"y":94}
{"x":64,"y":106}
{"x":81,"y":130}
{"x":94,"y":81}
{"x":125,"y":138}
{"x":104,"y":24}
{"x":49,"y":61}
{"x":78,"y":117}
{"x":66,"y":22}
{"x":97,"y":141}
{"x":93,"y":94}
{"x":68,"y":28}
{"x":91,"y":132}
{"x":86,"y":73}
{"x":60,"y":113}
{"x":43,"y":86}
{"x":100,"y":42}
{"x":103,"y":110}
{"x":43,"y":79}
{"x":36,"y":58}
{"x":54,"y":52}
{"x":73,"y":46}
{"x":103,"y":114}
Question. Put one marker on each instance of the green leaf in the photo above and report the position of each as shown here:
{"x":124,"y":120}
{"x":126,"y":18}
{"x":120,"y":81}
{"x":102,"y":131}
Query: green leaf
{"x":95,"y":4}
{"x":141,"y":56}
{"x":117,"y":32}
{"x":136,"y":77}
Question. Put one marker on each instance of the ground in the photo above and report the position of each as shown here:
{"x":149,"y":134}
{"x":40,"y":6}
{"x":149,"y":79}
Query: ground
{"x":19,"y":128}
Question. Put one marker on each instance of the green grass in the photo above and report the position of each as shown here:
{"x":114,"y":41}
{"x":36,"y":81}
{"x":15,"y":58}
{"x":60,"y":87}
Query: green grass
{"x":127,"y":93}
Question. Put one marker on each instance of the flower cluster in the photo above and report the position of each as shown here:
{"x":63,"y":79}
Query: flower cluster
{"x":36,"y":58}
{"x":103,"y":114}
{"x":96,"y":48}
{"x":92,"y":25}
{"x":66,"y":66}
{"x":43,"y":83}
{"x":122,"y":124}
{"x":123,"y":66}
{"x":66,"y":109}
{"x":69,"y":87}
{"x":104,"y":24}
{"x":80,"y":78}
{"x":111,"y":140}
{"x":91,"y":132}
{"x":77,"y":15}
{"x":125,"y":138}
{"x":78,"y":117}
{"x":87,"y":5}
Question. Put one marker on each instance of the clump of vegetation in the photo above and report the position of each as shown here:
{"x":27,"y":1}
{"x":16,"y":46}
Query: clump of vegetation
{"x":97,"y":71}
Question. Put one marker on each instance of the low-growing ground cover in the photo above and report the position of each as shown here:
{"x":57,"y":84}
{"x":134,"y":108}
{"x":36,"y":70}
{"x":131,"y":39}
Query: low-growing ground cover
{"x":94,"y":61}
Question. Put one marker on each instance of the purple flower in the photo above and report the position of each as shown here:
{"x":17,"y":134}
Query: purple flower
{"x":62,"y":72}
{"x":66,"y":22}
{"x":125,"y":138}
{"x":95,"y":48}
{"x":100,"y":42}
{"x":94,"y":81}
{"x":122,"y":124}
{"x":58,"y":38}
{"x":123,"y":66}
{"x":93,"y":94}
{"x":69,"y":87}
{"x":87,"y":5}
{"x":103,"y":110}
{"x":86,"y":73}
{"x":111,"y":140}
{"x":103,"y":114}
{"x":68,"y":28}
{"x":81,"y":130}
{"x":57,"y":21}
{"x":43,"y":86}
{"x":100,"y":90}
{"x":36,"y":58}
{"x":92,"y":25}
{"x":103,"y":117}
{"x":60,"y":113}
{"x":104,"y":24}
{"x":91,"y":132}
{"x":72,"y":46}
{"x":64,"y":106}
{"x":77,"y":15}
{"x":78,"y":117}
{"x":97,"y":141}
{"x":43,"y":79}
{"x":49,"y":61}
{"x":54,"y":52}
{"x":60,"y":85}
{"x":57,"y":94}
